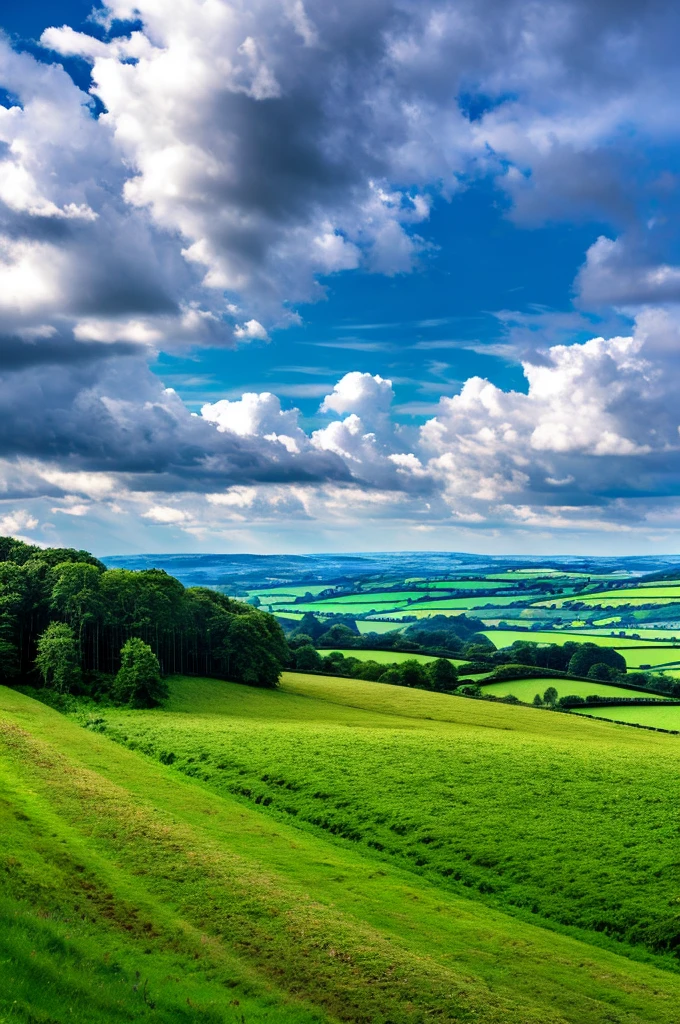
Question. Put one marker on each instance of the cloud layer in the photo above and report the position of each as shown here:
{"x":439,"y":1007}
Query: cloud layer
{"x":246,"y":151}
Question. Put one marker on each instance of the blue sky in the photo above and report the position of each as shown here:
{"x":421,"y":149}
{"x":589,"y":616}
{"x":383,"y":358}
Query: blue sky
{"x":434,"y":243}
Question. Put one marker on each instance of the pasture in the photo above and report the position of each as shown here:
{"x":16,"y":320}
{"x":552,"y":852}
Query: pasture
{"x":656,"y":717}
{"x":506,"y":637}
{"x":439,"y":784}
{"x":137,"y":889}
{"x":526,"y":689}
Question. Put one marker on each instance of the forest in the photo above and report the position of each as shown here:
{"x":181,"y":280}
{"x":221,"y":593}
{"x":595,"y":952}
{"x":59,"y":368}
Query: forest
{"x":66,"y":618}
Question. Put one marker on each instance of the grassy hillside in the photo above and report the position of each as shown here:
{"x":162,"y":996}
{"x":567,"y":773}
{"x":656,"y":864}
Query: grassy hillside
{"x":137,"y":889}
{"x":521,"y":807}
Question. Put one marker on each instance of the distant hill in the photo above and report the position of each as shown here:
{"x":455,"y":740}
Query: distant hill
{"x":251,"y":571}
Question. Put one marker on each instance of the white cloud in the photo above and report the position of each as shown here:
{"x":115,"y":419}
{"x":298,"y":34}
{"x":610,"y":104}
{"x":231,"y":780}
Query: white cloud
{"x":253,"y":416}
{"x":250,"y":330}
{"x":14,"y":523}
{"x":165,"y":514}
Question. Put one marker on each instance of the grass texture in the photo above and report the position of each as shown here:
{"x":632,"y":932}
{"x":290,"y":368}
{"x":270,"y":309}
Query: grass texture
{"x":519,"y":806}
{"x":525,"y":689}
{"x":133,"y":891}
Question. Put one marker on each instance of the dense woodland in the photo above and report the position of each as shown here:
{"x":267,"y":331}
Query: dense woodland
{"x":72,"y":595}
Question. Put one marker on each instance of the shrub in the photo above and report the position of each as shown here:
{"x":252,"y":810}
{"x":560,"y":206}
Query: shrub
{"x":139,"y":682}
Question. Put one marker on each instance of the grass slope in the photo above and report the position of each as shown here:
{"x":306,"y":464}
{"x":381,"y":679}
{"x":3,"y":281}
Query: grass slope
{"x":136,"y":893}
{"x":520,"y":807}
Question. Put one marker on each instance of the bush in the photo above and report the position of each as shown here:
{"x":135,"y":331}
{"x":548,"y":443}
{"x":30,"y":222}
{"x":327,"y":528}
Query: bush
{"x":139,"y":682}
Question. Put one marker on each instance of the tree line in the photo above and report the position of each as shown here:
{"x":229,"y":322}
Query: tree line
{"x":66,"y":619}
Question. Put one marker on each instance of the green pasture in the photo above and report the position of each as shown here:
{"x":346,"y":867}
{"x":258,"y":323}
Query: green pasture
{"x":392,"y":657}
{"x":418,"y":612}
{"x":652,"y":656}
{"x":469,"y":602}
{"x":286,"y":591}
{"x":454,"y":789}
{"x":526,"y":689}
{"x":386,"y":657}
{"x":650,"y":715}
{"x":138,"y":890}
{"x":644,"y":633}
{"x":379,"y":627}
{"x":506,"y":637}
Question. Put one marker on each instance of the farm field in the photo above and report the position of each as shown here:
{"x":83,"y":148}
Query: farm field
{"x":644,"y":633}
{"x":389,"y":657}
{"x":526,"y":689}
{"x":506,"y":637}
{"x":197,"y":904}
{"x":657,"y":717}
{"x":379,"y":627}
{"x":650,"y":656}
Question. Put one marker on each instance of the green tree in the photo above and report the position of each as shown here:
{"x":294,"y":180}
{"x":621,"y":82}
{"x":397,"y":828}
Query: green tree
{"x":550,"y":696}
{"x":311,"y":626}
{"x":138,"y":682}
{"x":339,"y":635}
{"x":58,"y":659}
{"x":538,"y":701}
{"x":412,"y":673}
{"x":590,"y":654}
{"x":442,"y":675}
{"x":308,"y":659}
{"x":255,"y":650}
{"x":76,"y":593}
{"x":600,"y":671}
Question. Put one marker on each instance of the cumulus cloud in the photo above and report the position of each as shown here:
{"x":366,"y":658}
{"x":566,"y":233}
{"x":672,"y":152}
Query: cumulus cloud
{"x":616,"y":273}
{"x":245,"y":151}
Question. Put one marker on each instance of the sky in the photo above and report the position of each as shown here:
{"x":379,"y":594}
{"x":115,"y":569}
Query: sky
{"x":302,"y":275}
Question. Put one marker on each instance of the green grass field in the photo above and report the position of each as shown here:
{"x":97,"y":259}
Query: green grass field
{"x":389,"y":657}
{"x":378,"y":627}
{"x":658,"y":718}
{"x":644,"y":633}
{"x":506,"y":637}
{"x":526,"y":689}
{"x":335,"y":851}
{"x":653,"y":656}
{"x":442,"y":823}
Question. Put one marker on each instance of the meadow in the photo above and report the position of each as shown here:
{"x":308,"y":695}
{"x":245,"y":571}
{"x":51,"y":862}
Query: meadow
{"x":138,"y":889}
{"x":391,"y":657}
{"x":438,"y":785}
{"x":505,"y":637}
{"x":653,"y":717}
{"x":526,"y":689}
